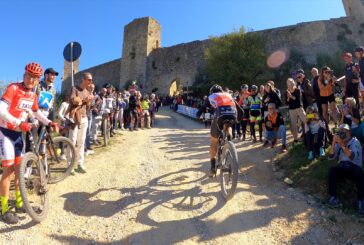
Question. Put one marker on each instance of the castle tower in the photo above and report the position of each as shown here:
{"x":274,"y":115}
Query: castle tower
{"x":354,"y":8}
{"x":141,"y":36}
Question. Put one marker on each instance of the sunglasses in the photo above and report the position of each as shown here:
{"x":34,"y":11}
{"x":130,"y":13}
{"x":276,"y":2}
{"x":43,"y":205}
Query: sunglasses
{"x":326,"y":72}
{"x":299,"y":77}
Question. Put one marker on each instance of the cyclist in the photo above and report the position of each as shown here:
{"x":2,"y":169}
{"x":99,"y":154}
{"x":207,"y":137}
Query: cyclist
{"x":18,"y":101}
{"x":225,"y":109}
{"x":255,"y":104}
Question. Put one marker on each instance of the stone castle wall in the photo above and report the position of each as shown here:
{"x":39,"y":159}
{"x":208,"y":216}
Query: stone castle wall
{"x":154,"y":67}
{"x":312,"y":38}
{"x":179,"y":63}
{"x":141,"y":36}
{"x":106,"y":73}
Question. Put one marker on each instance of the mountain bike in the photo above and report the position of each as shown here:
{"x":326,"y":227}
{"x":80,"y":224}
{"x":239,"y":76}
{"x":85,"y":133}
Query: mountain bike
{"x":42,"y":166}
{"x":227,"y":162}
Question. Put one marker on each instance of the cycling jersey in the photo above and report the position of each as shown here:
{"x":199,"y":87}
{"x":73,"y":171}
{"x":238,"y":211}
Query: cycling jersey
{"x":46,"y":96}
{"x":221,"y":99}
{"x":20,"y":102}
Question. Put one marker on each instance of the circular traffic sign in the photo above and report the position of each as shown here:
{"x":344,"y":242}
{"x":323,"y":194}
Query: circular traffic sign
{"x":72,"y":51}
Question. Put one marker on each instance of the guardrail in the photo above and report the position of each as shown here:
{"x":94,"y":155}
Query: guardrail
{"x":187,"y":111}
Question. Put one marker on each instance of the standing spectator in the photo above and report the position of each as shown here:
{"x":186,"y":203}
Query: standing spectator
{"x":47,"y":93}
{"x":126,"y":110}
{"x":294,"y":102}
{"x":314,"y":81}
{"x":359,"y":55}
{"x":349,"y":151}
{"x":145,"y":117}
{"x":97,"y":116}
{"x":255,"y":105}
{"x":122,"y":106}
{"x":152,"y":109}
{"x":244,"y":103}
{"x":308,"y":95}
{"x":134,"y":117}
{"x":88,"y":149}
{"x":315,"y":133}
{"x":62,"y":115}
{"x":261,"y":91}
{"x":274,"y":127}
{"x":80,"y":97}
{"x":326,"y":82}
{"x":270,"y":96}
{"x":351,"y":78}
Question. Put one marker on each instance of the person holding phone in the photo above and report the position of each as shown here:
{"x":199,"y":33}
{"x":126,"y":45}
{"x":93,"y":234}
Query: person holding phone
{"x":326,"y":83}
{"x":315,"y":133}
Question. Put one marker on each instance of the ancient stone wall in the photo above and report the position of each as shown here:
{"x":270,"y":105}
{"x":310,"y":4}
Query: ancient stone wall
{"x":106,"y":73}
{"x":154,"y":67}
{"x":141,"y":36}
{"x":312,"y":38}
{"x":177,"y":63}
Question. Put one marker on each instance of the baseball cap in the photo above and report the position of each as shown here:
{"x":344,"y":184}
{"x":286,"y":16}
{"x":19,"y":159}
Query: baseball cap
{"x":50,"y":70}
{"x":344,"y":126}
{"x":359,"y":49}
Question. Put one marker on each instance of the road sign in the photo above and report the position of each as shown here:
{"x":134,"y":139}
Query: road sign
{"x":72,"y":51}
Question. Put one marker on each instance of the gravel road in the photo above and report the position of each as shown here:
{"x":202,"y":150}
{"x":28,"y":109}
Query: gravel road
{"x":151,"y":187}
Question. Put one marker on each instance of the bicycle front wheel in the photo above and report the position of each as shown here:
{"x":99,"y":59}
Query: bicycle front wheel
{"x":61,"y":159}
{"x":33,"y":187}
{"x":229,"y":170}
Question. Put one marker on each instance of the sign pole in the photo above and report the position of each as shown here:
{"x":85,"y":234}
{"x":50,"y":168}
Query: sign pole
{"x":71,"y":51}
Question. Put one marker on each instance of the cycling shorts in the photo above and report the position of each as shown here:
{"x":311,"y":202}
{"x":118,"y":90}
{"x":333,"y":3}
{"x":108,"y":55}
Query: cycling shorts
{"x":11,"y":147}
{"x":222,"y":114}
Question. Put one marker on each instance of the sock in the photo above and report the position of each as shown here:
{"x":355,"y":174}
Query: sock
{"x":213,"y":163}
{"x":18,"y":200}
{"x":4,"y":204}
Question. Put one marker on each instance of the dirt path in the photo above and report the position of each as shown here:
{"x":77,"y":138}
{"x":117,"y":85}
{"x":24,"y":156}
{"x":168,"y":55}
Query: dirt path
{"x":150,"y":187}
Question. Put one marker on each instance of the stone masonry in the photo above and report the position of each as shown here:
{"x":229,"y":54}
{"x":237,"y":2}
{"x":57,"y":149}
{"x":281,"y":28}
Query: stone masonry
{"x":154,"y":67}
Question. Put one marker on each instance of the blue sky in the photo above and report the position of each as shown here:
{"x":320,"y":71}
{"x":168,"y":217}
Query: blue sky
{"x":38,"y":30}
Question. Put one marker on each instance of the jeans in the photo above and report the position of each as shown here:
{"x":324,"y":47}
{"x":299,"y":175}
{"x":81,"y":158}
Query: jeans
{"x":349,"y":171}
{"x":280,"y":133}
{"x":315,"y":141}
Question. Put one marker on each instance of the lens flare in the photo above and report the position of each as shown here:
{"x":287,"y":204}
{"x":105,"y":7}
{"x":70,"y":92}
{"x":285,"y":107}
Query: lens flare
{"x":277,"y":58}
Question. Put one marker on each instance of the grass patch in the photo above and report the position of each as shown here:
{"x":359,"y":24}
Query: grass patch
{"x":312,"y":176}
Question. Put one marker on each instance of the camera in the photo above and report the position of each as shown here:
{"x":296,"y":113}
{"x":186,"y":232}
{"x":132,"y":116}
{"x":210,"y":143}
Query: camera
{"x":341,"y":134}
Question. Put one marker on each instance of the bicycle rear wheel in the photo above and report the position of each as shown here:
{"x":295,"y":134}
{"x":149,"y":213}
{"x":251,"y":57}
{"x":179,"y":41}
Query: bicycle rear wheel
{"x":61,"y":159}
{"x":229,"y":170}
{"x":33,"y":187}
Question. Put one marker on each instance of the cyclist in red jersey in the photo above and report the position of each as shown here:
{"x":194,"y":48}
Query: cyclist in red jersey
{"x":18,"y":101}
{"x":225,"y":108}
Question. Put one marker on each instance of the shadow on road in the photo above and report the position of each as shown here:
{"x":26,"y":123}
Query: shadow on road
{"x":198,"y":202}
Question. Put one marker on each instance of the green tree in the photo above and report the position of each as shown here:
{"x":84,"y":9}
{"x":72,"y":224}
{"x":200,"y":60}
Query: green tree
{"x":235,"y":58}
{"x":335,"y":62}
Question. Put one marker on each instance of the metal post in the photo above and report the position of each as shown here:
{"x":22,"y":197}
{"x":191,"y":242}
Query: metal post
{"x":72,"y":79}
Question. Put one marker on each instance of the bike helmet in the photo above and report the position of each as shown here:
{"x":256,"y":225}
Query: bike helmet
{"x":244,"y":86}
{"x":254,"y":88}
{"x":216,"y":89}
{"x":34,"y":68}
{"x":107,"y":85}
